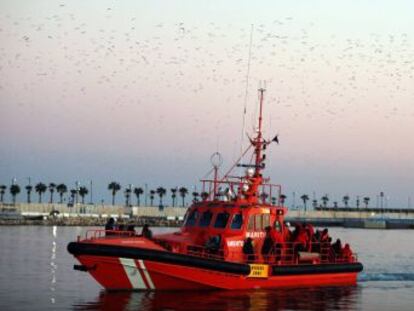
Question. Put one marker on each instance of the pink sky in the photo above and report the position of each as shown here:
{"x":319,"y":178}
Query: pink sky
{"x":143,"y":93}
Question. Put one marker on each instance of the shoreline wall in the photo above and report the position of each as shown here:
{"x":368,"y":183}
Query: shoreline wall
{"x":45,"y":209}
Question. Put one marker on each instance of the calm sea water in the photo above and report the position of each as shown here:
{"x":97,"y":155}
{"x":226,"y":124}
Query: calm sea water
{"x":36,"y":274}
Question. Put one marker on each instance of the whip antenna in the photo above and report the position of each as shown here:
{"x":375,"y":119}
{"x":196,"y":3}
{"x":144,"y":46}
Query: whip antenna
{"x":247,"y":89}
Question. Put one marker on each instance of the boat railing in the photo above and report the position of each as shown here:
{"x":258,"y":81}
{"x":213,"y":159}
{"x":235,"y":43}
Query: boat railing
{"x":289,"y":253}
{"x":204,"y":252}
{"x":102,"y":233}
{"x":233,"y":189}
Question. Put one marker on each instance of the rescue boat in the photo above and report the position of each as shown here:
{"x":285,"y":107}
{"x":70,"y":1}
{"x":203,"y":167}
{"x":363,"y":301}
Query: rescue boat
{"x":234,"y":238}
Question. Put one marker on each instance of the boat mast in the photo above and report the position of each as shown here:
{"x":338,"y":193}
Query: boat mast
{"x":258,"y":141}
{"x":256,"y":179}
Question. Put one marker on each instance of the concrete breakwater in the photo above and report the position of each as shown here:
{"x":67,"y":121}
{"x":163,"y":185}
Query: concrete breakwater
{"x":88,"y":215}
{"x":90,"y":221}
{"x":368,"y":219}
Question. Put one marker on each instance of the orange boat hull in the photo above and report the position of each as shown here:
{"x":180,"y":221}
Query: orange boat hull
{"x":131,"y":274}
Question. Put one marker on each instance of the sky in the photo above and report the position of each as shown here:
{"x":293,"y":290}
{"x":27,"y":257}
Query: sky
{"x":143,"y":92}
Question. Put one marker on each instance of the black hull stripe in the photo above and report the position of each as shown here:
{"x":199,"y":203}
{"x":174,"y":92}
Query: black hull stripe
{"x":317,"y":269}
{"x":77,"y":248}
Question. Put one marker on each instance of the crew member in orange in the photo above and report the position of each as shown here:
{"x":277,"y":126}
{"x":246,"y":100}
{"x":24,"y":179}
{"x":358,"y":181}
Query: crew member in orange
{"x":310,"y":232}
{"x":346,"y":253}
{"x":301,"y":240}
{"x":324,"y":236}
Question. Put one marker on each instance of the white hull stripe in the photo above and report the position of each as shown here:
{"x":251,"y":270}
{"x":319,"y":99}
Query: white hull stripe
{"x":147,"y":276}
{"x":134,"y":276}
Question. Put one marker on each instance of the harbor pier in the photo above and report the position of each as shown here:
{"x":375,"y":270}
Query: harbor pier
{"x":95,"y":214}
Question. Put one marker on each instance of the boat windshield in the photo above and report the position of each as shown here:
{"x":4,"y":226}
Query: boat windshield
{"x":192,"y":218}
{"x":237,"y":221}
{"x":221,"y":220}
{"x":206,"y":219}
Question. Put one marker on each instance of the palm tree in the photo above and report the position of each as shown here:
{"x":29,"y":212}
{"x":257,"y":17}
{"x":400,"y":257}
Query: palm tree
{"x":152,"y":195}
{"x":40,"y":188}
{"x":61,"y":189}
{"x":273,"y":200}
{"x":195,"y":196}
{"x":114,"y":187}
{"x":161,"y":192}
{"x":325,"y":200}
{"x":204,"y":196}
{"x":304,"y":198}
{"x":82,"y":192}
{"x":345,"y":199}
{"x":2,"y":192}
{"x":366,"y":201}
{"x":127,"y":193}
{"x":173,"y":195}
{"x":314,"y":203}
{"x":29,"y":189}
{"x":183,"y":192}
{"x":52,"y":187}
{"x":358,"y":202}
{"x":138,"y":192}
{"x":73,"y":193}
{"x":14,"y":191}
{"x":282,"y":199}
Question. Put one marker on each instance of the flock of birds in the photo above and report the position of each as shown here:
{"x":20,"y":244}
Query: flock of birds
{"x":121,"y":62}
{"x":182,"y":57}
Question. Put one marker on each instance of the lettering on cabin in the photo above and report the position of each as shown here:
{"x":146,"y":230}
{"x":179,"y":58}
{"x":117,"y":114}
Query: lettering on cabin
{"x":255,"y":234}
{"x":235,"y":243}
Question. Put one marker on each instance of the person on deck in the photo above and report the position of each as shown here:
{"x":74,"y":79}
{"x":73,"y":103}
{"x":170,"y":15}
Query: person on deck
{"x":213,"y":244}
{"x":248,"y":249}
{"x":268,"y":243}
{"x":301,"y":240}
{"x":324,"y":236}
{"x":310,"y":231}
{"x":146,"y":232}
{"x":347,"y":253}
{"x":337,"y":247}
{"x":131,"y":228}
{"x":110,"y":226}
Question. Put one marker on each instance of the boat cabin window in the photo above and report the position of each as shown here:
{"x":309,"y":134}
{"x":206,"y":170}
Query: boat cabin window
{"x":266,"y":220}
{"x":237,"y":221}
{"x":192,"y":218}
{"x":258,"y":222}
{"x":221,"y":220}
{"x":251,"y":226}
{"x":262,"y":221}
{"x":206,"y":219}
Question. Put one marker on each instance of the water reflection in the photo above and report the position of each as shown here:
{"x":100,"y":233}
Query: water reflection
{"x":53,"y":266}
{"x":340,"y":298}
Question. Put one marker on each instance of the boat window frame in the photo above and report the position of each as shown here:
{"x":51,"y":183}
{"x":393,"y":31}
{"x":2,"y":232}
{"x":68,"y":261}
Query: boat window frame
{"x":251,"y":226}
{"x":258,"y":222}
{"x":209,"y":221}
{"x":195,"y":211}
{"x":241,"y":221}
{"x":217,"y":218}
{"x":265,"y":221}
